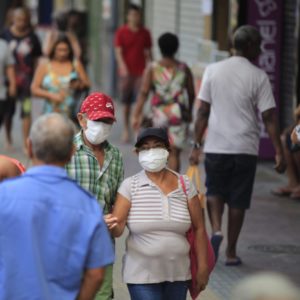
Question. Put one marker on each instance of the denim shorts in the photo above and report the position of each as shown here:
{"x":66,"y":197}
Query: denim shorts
{"x":166,"y":290}
{"x":231,"y":177}
{"x":129,"y":87}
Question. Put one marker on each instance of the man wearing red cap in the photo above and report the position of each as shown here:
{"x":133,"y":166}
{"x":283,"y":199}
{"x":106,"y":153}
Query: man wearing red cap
{"x":96,"y":164}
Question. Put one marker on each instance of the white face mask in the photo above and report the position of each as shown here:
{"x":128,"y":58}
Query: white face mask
{"x":153,"y":160}
{"x":97,"y":132}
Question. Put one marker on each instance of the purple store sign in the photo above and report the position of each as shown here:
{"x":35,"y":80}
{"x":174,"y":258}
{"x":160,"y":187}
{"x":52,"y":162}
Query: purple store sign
{"x":266,"y":16}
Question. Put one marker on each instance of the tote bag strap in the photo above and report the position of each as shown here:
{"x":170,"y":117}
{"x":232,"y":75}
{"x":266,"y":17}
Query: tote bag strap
{"x":183,"y":186}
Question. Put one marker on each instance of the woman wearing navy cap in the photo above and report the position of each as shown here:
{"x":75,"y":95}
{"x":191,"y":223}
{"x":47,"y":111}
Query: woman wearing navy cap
{"x":158,"y":206}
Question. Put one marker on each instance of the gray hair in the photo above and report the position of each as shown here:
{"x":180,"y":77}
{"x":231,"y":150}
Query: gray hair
{"x":267,"y":286}
{"x":244,"y":36}
{"x":51,"y":136}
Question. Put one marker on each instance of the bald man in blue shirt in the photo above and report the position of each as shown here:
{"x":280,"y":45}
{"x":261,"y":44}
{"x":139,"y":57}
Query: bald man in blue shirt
{"x":54,"y":243}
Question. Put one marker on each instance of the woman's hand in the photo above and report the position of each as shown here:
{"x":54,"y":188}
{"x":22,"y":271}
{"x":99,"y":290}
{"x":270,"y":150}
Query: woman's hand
{"x":57,"y":97}
{"x":202,"y":279}
{"x":110,"y":221}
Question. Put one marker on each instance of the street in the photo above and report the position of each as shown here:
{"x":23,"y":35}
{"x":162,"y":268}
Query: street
{"x":269,"y":239}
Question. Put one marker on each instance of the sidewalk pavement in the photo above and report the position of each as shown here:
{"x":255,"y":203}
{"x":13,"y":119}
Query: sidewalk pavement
{"x":269,"y":239}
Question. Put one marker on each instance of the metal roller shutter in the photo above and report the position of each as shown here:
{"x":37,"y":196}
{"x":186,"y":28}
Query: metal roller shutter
{"x":190,"y":29}
{"x":181,"y":17}
{"x":160,"y":17}
{"x":289,"y":58}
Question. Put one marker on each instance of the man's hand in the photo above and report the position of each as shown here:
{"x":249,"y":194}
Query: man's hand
{"x":12,"y":91}
{"x":280,"y":164}
{"x":195,"y":156}
{"x":123,"y":70}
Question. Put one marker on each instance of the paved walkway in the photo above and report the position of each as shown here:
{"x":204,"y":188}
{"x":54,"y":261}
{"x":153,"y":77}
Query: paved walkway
{"x":269,"y":240}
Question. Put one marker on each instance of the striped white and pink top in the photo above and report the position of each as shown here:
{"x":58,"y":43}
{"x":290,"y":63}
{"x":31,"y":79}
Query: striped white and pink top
{"x":156,"y":247}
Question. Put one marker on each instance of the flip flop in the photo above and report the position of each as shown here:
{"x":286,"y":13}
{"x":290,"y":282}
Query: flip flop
{"x":282,"y":191}
{"x":233,"y":262}
{"x":216,"y":241}
{"x":295,"y":195}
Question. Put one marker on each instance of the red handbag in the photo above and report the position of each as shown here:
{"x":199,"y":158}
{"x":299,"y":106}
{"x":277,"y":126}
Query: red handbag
{"x":211,"y":261}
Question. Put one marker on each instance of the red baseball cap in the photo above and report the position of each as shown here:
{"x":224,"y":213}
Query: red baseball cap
{"x":98,"y":106}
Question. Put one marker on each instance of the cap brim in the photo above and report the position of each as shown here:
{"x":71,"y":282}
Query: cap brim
{"x":140,"y":141}
{"x":100,"y":115}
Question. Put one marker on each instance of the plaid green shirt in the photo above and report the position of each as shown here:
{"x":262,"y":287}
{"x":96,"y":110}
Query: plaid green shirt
{"x":103,"y":182}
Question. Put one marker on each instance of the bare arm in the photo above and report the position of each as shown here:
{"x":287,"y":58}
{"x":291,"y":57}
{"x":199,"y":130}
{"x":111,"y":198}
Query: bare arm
{"x":196,"y":214}
{"x":75,"y":44}
{"x":11,"y":75}
{"x":270,"y":120}
{"x":142,"y":97}
{"x":148,"y":55}
{"x":200,"y":126}
{"x":91,"y":283}
{"x":190,"y":90}
{"x":116,"y":221}
{"x":48,"y":43}
{"x":85,"y":82}
{"x":120,"y":62}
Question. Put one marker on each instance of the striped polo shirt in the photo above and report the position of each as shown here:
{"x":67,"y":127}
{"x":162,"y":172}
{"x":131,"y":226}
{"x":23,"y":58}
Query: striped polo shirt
{"x":156,"y":248}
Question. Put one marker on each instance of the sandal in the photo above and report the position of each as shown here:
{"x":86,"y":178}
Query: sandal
{"x":233,"y":262}
{"x":282,"y":191}
{"x":216,"y":241}
{"x":295,"y":194}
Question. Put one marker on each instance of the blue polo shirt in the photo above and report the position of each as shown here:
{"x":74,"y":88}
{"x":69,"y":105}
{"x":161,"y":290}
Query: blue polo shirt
{"x":51,"y":230}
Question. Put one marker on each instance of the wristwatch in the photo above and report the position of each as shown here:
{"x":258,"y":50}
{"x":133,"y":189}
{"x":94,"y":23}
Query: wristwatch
{"x":196,"y":145}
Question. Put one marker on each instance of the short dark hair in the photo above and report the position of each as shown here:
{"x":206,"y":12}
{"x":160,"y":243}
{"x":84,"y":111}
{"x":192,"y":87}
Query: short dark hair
{"x":135,"y":7}
{"x":62,"y":38}
{"x":168,"y":44}
{"x":244,"y":36}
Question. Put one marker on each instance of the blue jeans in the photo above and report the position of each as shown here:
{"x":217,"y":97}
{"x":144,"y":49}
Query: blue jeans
{"x":159,"y":291}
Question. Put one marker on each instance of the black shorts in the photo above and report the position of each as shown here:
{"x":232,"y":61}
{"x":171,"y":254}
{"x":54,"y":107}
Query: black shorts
{"x":129,"y":88}
{"x":231,"y":177}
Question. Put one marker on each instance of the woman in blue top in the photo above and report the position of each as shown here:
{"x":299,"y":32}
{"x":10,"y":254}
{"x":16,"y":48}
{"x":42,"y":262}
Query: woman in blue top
{"x":57,"y":79}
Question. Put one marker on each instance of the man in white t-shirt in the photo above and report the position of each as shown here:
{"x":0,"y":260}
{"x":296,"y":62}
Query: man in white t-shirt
{"x":231,"y":93}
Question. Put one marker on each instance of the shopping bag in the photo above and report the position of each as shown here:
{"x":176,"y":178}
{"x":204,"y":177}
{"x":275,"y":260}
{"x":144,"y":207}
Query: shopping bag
{"x":194,"y":174}
{"x":190,"y":235}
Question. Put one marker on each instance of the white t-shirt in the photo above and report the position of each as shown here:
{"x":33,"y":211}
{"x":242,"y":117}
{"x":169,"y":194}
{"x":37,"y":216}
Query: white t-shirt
{"x":6,"y":59}
{"x":236,"y":89}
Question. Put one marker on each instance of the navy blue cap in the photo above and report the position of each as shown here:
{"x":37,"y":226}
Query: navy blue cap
{"x":159,"y":133}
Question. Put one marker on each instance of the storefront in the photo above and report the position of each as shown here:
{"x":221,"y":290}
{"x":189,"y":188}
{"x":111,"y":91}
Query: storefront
{"x":290,"y":63}
{"x":205,"y":29}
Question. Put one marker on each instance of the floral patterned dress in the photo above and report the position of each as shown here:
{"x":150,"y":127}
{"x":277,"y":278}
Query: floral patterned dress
{"x":169,"y":103}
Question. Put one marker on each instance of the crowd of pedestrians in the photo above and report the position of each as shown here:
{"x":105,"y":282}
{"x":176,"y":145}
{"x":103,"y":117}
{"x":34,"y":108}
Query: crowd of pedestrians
{"x":65,"y":211}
